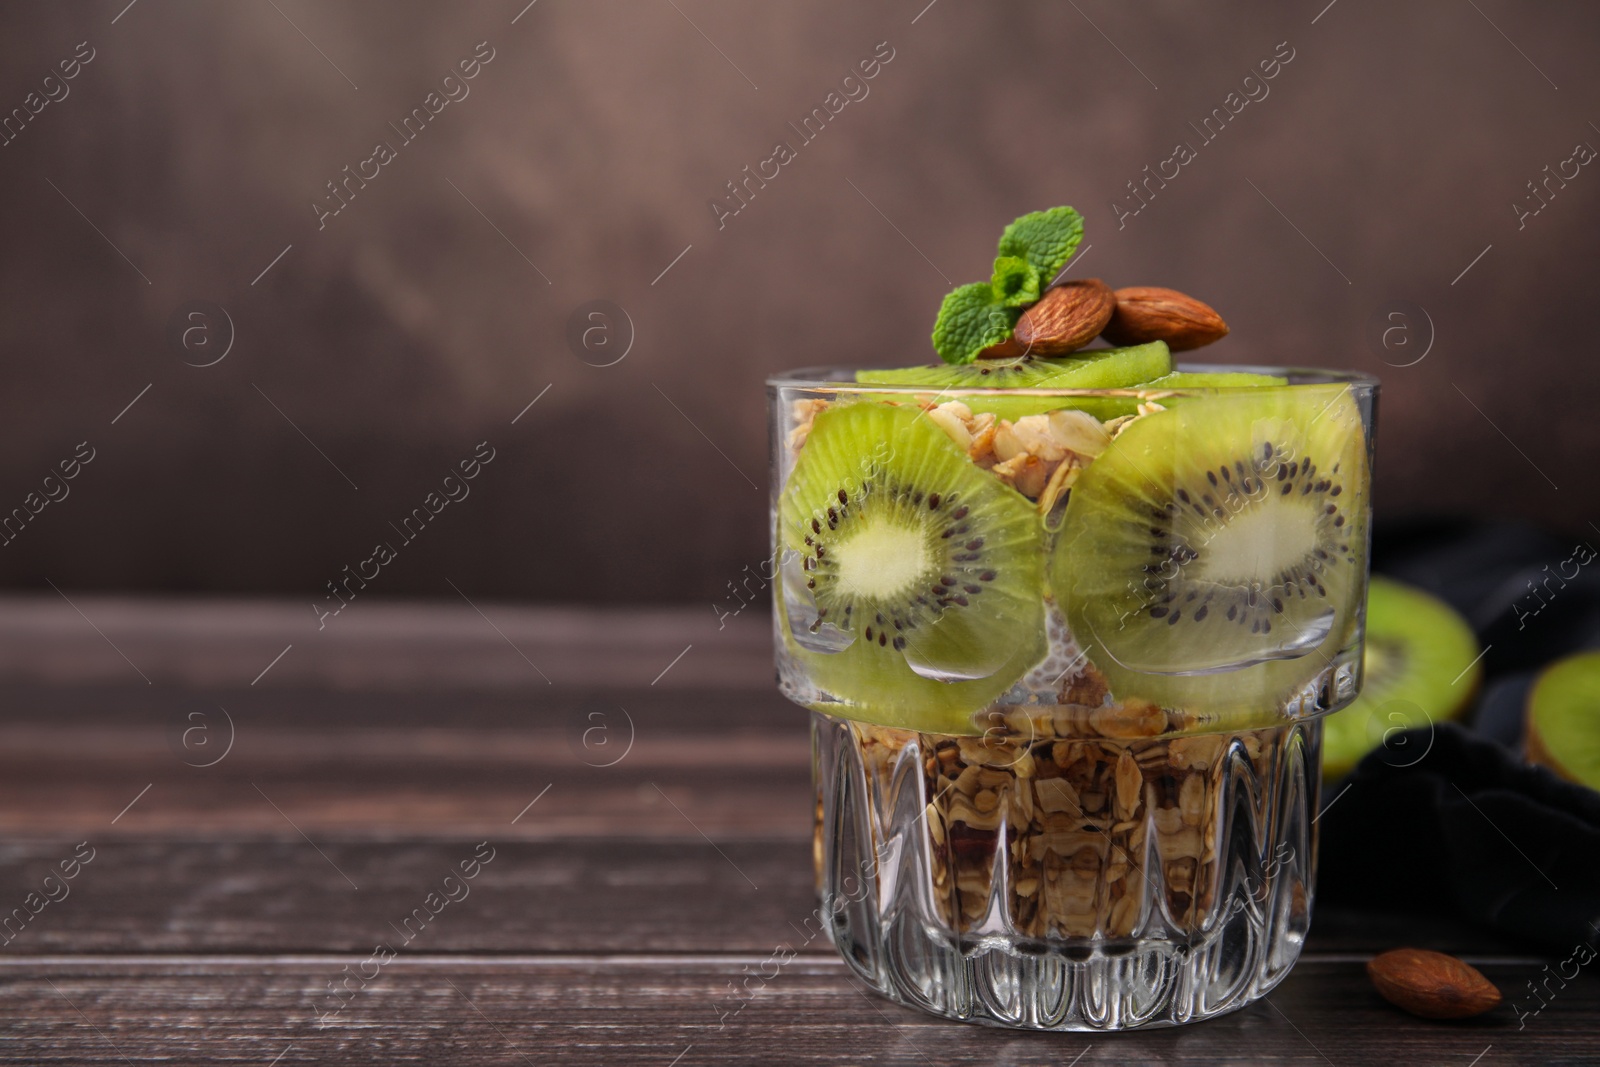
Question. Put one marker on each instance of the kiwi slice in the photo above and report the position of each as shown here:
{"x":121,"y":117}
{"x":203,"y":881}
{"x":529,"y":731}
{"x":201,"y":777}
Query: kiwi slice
{"x":1420,"y":666}
{"x":910,"y":583}
{"x":1194,"y":379}
{"x":1109,"y":368}
{"x":1212,"y":558}
{"x":1161,"y":390}
{"x":1564,"y":718}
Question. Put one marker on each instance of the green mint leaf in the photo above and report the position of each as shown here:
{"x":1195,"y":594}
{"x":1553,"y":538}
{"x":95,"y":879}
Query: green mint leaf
{"x":971,"y":320}
{"x":1046,"y":239}
{"x":1015,"y":282}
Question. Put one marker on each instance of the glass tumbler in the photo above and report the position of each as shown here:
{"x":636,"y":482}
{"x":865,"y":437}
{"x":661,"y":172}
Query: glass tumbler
{"x":1067,"y":654}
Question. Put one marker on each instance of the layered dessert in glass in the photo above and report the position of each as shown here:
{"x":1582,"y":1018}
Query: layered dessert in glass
{"x":1067,"y":619}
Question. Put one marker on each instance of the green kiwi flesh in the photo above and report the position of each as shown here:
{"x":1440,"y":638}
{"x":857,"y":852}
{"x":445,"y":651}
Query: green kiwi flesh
{"x":1420,"y":666}
{"x":1563,"y":727}
{"x":1170,"y":389}
{"x":1212,"y":558}
{"x":1192,"y":379}
{"x":910,"y":583}
{"x":1107,"y":368}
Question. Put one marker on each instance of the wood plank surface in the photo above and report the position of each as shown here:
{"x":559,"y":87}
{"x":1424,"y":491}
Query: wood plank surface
{"x":614,"y":895}
{"x":382,"y":645}
{"x":450,"y":1009}
{"x":419,"y":765}
{"x":636,"y":871}
{"x":610,"y":895}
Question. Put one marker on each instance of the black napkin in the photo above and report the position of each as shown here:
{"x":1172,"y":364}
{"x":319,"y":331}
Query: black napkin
{"x":1439,"y":819}
{"x":1530,"y":596}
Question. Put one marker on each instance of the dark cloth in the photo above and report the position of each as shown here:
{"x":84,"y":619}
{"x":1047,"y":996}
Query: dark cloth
{"x":1469,"y":829}
{"x":1527,"y":594}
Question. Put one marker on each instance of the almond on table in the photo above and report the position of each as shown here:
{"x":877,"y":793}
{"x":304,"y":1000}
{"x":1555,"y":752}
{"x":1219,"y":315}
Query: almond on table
{"x":1431,"y":984}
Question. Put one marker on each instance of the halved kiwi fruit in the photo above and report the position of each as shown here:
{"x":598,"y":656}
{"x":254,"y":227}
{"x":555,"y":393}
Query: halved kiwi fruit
{"x":1420,"y":666}
{"x":1212,"y":558}
{"x":1564,"y":718}
{"x":1109,"y":368}
{"x":910,"y":582}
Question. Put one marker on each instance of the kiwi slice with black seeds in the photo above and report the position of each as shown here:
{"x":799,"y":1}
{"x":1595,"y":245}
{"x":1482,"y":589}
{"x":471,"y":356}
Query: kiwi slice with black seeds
{"x":1420,"y":666}
{"x":910,"y":582}
{"x":1108,"y":368}
{"x":1212,"y":558}
{"x":1563,"y":728}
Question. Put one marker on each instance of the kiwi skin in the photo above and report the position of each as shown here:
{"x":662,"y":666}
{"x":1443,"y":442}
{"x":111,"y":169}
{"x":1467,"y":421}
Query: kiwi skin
{"x":1568,"y":684}
{"x":1419,"y":652}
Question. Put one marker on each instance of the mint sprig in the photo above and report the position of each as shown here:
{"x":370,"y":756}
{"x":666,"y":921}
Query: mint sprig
{"x":1032,"y":252}
{"x":1015,"y":282}
{"x":970,"y":320}
{"x":1046,"y":239}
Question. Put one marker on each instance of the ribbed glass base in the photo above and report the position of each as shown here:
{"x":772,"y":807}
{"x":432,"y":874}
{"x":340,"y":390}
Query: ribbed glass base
{"x":1047,"y":878}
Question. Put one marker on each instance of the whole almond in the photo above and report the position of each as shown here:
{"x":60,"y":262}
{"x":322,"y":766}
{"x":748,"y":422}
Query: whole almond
{"x":1066,"y":318}
{"x":1147,"y":313}
{"x":1431,"y":984}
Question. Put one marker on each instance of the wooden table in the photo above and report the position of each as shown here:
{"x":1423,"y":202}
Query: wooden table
{"x":617,"y":909}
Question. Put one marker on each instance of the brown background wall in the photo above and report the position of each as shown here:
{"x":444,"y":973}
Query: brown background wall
{"x":409,"y":329}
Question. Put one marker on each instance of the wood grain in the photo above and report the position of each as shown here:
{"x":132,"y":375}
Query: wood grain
{"x":559,"y":896}
{"x":380,"y":646}
{"x":387,"y":765}
{"x":612,"y":895}
{"x":424,"y":1009}
{"x":622,"y":905}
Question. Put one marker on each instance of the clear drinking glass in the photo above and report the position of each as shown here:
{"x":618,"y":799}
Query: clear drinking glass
{"x":1062,"y":807}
